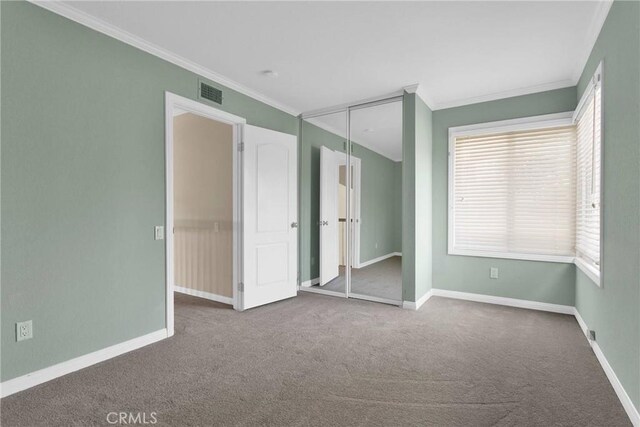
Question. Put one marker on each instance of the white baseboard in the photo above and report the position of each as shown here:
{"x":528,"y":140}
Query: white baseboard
{"x":511,"y":302}
{"x":309,"y":283}
{"x":627,"y":404}
{"x":47,"y":374}
{"x":380,"y":258}
{"x":410,"y":305}
{"x":316,"y":290}
{"x":203,"y":294}
{"x":375,"y":299}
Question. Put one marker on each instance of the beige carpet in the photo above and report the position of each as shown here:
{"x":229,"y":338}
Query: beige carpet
{"x":318,"y":360}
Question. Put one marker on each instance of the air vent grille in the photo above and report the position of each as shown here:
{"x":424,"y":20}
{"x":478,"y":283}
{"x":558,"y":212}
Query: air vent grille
{"x":211,"y":93}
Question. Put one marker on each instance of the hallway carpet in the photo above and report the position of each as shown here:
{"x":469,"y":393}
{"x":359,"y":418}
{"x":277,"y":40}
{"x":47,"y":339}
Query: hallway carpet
{"x":323,"y":361}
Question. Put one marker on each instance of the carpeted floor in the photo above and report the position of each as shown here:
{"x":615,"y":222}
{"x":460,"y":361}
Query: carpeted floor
{"x":318,"y":360}
{"x":382,"y":279}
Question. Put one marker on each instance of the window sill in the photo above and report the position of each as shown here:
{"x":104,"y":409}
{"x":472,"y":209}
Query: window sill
{"x":590,"y":271}
{"x":565,"y":259}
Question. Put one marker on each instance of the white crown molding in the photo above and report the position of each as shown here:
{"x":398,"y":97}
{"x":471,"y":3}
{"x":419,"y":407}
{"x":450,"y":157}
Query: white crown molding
{"x":412,"y":88}
{"x":419,"y":90}
{"x":47,"y":374}
{"x":70,"y":12}
{"x":502,"y":95}
{"x":604,"y":6}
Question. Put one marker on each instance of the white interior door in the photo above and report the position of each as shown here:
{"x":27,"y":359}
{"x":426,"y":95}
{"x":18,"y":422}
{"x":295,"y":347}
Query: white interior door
{"x":270,"y":216}
{"x":329,"y":256}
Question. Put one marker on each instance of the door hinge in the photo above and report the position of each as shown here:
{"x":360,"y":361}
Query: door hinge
{"x":241,"y":146}
{"x":240,"y":287}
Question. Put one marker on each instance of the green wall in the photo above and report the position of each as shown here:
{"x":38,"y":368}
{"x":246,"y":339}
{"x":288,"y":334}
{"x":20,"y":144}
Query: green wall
{"x":529,"y":280}
{"x":82,"y":179}
{"x":613,"y":311}
{"x":381,"y":187}
{"x":417,"y":163}
{"x":379,"y":206}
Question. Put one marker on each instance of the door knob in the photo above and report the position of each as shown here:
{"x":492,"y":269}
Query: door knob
{"x":294,"y":225}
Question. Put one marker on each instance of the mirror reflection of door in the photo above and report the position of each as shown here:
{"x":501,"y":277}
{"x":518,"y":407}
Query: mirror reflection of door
{"x":329,"y":216}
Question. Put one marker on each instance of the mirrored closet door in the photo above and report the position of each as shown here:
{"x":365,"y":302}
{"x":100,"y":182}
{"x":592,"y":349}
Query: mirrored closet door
{"x":324,"y":246}
{"x":351,"y":198}
{"x":375,"y":132}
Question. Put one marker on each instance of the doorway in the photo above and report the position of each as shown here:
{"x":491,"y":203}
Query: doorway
{"x":236,"y":235}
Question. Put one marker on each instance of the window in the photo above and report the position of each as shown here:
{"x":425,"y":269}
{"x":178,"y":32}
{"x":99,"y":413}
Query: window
{"x":512,"y":189}
{"x":530,"y":188}
{"x":588,"y":120}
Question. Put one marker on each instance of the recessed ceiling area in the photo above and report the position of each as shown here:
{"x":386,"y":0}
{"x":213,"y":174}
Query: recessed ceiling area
{"x":331,"y":53}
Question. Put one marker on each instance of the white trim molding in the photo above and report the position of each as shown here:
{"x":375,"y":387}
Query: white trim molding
{"x":625,"y":400}
{"x":510,"y":302}
{"x":380,"y":258}
{"x":529,"y":90}
{"x":315,"y":290}
{"x":309,"y":283}
{"x":372,"y":298}
{"x":173,"y":102}
{"x":32,"y":379}
{"x":410,"y":305}
{"x":590,"y":271}
{"x":90,"y":21}
{"x":203,"y":294}
{"x":604,"y":6}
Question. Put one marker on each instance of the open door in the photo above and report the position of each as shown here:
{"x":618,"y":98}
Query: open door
{"x":270,"y":239}
{"x":329,"y":255}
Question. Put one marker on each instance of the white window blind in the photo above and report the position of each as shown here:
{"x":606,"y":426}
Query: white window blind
{"x":512,"y":192}
{"x":588,"y":123}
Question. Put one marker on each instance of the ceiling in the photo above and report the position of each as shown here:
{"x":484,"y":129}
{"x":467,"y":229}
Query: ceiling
{"x":379,"y":128}
{"x":330,"y":53}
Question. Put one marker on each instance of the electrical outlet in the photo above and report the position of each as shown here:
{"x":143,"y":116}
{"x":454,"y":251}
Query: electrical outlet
{"x":159,"y":232}
{"x":376,"y":245}
{"x":24,"y":330}
{"x":494,"y":273}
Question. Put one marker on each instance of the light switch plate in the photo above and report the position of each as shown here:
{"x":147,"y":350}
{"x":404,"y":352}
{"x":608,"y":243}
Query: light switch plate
{"x":494,"y":273}
{"x":24,"y":330}
{"x":159,"y":232}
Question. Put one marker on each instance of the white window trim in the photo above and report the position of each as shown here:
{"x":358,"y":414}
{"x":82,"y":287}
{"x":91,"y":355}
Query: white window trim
{"x":587,"y":268}
{"x":525,"y":123}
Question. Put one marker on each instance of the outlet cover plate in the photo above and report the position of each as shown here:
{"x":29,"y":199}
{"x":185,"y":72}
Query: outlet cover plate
{"x":24,"y":330}
{"x":494,"y":273}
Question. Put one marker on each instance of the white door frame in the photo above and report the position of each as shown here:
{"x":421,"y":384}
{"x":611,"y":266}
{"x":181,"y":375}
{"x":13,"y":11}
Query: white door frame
{"x":173,"y":102}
